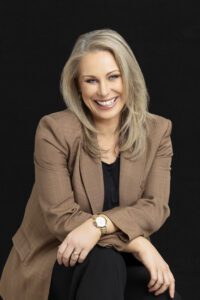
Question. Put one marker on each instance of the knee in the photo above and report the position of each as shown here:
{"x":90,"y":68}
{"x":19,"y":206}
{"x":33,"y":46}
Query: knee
{"x":107,"y":257}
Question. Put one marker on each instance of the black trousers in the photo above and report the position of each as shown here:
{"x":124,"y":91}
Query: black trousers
{"x":105,"y":274}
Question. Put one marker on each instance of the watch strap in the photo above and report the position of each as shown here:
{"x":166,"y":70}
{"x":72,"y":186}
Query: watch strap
{"x":102,"y":229}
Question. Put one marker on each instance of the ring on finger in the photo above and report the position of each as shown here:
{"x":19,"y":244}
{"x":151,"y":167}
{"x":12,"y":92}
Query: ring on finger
{"x":73,"y":258}
{"x":75,"y":253}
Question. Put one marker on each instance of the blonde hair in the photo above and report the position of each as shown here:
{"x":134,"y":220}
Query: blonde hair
{"x":132,"y":128}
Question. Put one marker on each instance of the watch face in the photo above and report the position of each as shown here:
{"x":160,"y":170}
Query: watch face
{"x":101,"y":221}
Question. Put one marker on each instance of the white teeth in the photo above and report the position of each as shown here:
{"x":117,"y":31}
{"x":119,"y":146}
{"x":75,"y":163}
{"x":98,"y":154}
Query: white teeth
{"x":106,"y":103}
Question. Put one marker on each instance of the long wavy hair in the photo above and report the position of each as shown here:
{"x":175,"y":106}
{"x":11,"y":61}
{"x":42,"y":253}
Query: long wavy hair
{"x":132,"y":129}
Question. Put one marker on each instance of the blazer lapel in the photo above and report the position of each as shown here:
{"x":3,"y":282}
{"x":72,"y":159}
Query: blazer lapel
{"x":129,"y":180}
{"x":92,"y":176}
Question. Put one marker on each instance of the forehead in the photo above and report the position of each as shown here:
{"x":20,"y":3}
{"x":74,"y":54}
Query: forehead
{"x":97,"y":61}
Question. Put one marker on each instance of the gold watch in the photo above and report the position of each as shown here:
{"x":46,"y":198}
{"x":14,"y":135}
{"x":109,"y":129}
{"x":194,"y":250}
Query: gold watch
{"x":100,"y":222}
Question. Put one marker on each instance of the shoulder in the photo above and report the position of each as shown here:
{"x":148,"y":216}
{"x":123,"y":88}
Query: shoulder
{"x":158,"y":125}
{"x":62,"y":118}
{"x":159,"y":135}
{"x":62,"y":125}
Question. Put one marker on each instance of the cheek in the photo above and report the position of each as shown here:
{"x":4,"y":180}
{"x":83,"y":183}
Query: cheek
{"x":87,"y":91}
{"x":87,"y":94}
{"x":121,"y":86}
{"x":118,"y":87}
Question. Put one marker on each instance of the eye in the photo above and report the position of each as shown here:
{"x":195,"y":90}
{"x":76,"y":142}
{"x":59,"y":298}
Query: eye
{"x":90,"y":80}
{"x":114,"y":76}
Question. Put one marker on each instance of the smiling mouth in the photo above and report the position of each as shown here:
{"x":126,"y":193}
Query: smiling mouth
{"x":109,"y":102}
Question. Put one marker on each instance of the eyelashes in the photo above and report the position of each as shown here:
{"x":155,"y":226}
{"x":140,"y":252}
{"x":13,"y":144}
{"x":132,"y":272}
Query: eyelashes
{"x":112,"y":77}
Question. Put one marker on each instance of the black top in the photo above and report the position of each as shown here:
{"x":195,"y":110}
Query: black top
{"x":111,"y":183}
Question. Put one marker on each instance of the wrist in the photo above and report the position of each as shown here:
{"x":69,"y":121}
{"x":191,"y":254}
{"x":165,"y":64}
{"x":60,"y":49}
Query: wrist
{"x":96,"y":230}
{"x":100,"y":222}
{"x":111,"y":228}
{"x":137,"y":244}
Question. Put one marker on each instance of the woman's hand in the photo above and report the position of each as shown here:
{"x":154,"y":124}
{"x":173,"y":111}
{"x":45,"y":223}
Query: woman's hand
{"x":160,"y":273}
{"x":78,"y":244}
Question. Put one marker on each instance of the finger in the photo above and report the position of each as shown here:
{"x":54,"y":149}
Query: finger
{"x":153,"y":275}
{"x":66,"y":255}
{"x":59,"y":256}
{"x":82,"y":256}
{"x":165,"y":285}
{"x":158,"y":283}
{"x":74,"y":257}
{"x":171,"y":285}
{"x":60,"y":252}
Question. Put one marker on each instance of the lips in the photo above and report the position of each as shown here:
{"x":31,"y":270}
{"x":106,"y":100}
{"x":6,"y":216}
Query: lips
{"x":104,"y":100}
{"x":106,"y":103}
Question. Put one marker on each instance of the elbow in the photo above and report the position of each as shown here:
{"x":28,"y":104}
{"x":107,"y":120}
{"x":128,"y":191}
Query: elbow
{"x":55,"y":226}
{"x":163,"y":215}
{"x":59,"y":224}
{"x":166,"y":213}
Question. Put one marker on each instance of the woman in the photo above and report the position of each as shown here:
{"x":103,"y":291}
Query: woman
{"x":102,"y":181}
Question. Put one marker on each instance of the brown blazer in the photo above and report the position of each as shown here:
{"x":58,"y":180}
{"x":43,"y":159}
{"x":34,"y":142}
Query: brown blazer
{"x":69,"y":188}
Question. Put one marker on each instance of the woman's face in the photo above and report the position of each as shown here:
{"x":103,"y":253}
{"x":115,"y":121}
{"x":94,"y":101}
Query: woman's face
{"x":101,"y":85}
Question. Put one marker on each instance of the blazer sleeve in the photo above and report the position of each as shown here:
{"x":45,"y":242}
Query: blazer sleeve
{"x":61,"y":213}
{"x":150,"y":211}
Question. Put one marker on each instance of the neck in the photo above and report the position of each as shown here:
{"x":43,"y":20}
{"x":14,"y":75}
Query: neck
{"x":106,"y":128}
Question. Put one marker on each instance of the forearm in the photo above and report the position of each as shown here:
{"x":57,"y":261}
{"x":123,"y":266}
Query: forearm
{"x":136,"y":245}
{"x":133,"y":246}
{"x":111,"y":227}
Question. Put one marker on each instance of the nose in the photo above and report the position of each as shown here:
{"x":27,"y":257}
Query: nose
{"x":103,"y":89}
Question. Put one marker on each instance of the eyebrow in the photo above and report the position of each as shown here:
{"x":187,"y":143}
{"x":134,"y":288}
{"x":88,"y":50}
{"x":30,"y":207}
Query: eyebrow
{"x":95,"y":76}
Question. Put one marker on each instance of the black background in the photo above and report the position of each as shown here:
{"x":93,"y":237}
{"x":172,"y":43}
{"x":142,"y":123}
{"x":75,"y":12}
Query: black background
{"x":37,"y":38}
